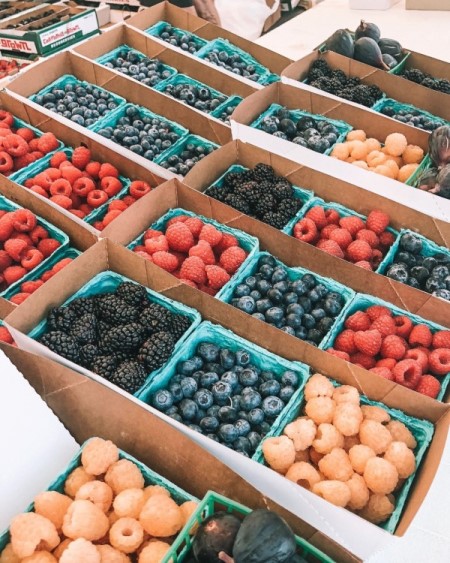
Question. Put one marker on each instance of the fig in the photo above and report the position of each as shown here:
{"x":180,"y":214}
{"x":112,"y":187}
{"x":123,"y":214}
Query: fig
{"x":427,"y":180}
{"x":367,"y":51}
{"x":439,"y":146}
{"x":264,"y":537}
{"x":390,"y":47}
{"x":341,"y":42}
{"x":442,"y":186}
{"x":216,"y":533}
{"x":389,"y":60}
{"x":367,"y":29}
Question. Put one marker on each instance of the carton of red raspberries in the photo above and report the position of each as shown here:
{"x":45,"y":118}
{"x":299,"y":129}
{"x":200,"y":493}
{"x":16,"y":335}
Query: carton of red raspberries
{"x":346,"y":234}
{"x":25,"y":242}
{"x":74,"y":181}
{"x":395,"y":345}
{"x":21,"y":144}
{"x":198,"y":251}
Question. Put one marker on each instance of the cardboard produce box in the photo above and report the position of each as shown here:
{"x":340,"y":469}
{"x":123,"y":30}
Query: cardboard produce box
{"x":427,"y":5}
{"x":392,"y":85}
{"x":332,"y":521}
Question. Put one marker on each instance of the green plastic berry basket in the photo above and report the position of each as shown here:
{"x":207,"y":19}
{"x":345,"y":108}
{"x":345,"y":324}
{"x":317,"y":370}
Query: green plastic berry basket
{"x":292,"y":274}
{"x":422,"y":431}
{"x":213,"y":503}
{"x":216,"y":334}
{"x":343,"y":212}
{"x":107,"y":282}
{"x":249,"y":243}
{"x":178,"y":147}
{"x":231,"y":102}
{"x":426,"y":164}
{"x":342,"y":127}
{"x":224,"y":45}
{"x":54,"y":233}
{"x":160,"y":27}
{"x":110,"y":121}
{"x":299,"y":193}
{"x":361,"y":303}
{"x":107,"y":57}
{"x":44,"y":163}
{"x":384,"y":103}
{"x":150,"y":478}
{"x":63,"y":81}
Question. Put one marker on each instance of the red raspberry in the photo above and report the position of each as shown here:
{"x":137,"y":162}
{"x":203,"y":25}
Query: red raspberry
{"x":156,"y":244}
{"x":111,"y":185}
{"x":117,"y":205}
{"x":53,"y":173}
{"x":204,"y":251}
{"x":14,"y":247}
{"x":19,"y":298}
{"x":99,"y":226}
{"x":385,"y":325}
{"x":31,"y":286}
{"x":368,"y":342}
{"x":81,"y":157}
{"x":37,"y":155}
{"x":33,"y":144}
{"x":61,"y":187}
{"x":325,"y":232}
{"x":44,"y":180}
{"x":377,"y":221}
{"x":332,"y":216}
{"x":365,"y":265}
{"x":420,"y":336}
{"x":25,"y":133}
{"x":129,"y":200}
{"x":6,"y":118}
{"x":439,"y":361}
{"x":39,"y":190}
{"x":359,"y":250}
{"x":38,"y":234}
{"x":232,"y":258}
{"x":47,"y":143}
{"x":139,"y":189}
{"x":165,"y":260}
{"x":404,"y":326}
{"x":86,"y":209}
{"x":418,"y":356}
{"x":5,"y":260}
{"x":217,"y":276}
{"x":93,"y":169}
{"x":211,"y":235}
{"x":83,"y":186}
{"x":330,"y":247}
{"x":389,"y":363}
{"x":15,"y":145}
{"x":31,"y":258}
{"x":5,"y":335}
{"x":195,"y":225}
{"x":177,"y":219}
{"x":62,"y":200}
{"x":6,"y":162}
{"x":387,"y":239}
{"x":342,"y":237}
{"x":71,"y":173}
{"x":96,"y":198}
{"x":407,"y":373}
{"x":383,"y":372}
{"x":6,"y":226}
{"x":193,"y":269}
{"x":377,"y":257}
{"x":352,"y":224}
{"x":358,"y":321}
{"x":179,"y":237}
{"x":78,"y":213}
{"x":107,"y":169}
{"x":339,"y":354}
{"x":317,"y":215}
{"x":428,"y":385}
{"x":393,"y":347}
{"x":345,"y":342}
{"x":305,"y":230}
{"x":441,"y":339}
{"x":369,"y":236}
{"x":22,"y":161}
{"x":375,"y":311}
{"x":22,"y":236}
{"x":24,"y":220}
{"x":57,"y":158}
{"x":47,"y":275}
{"x":61,"y":264}
{"x":13,"y":274}
{"x":48,"y":246}
{"x":110,"y":216}
{"x":189,"y":282}
{"x":152,"y":233}
{"x":363,"y":360}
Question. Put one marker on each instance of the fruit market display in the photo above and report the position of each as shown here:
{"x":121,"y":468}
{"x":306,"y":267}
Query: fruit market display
{"x":394,"y":158}
{"x":394,"y":347}
{"x":347,"y":236}
{"x":107,"y":509}
{"x":121,"y":335}
{"x":436,"y":179}
{"x":21,"y":146}
{"x":353,"y":455}
{"x":196,"y":252}
{"x":410,"y":115}
{"x":178,"y":38}
{"x":427,"y":80}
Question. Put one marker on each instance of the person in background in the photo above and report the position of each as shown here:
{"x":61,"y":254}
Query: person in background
{"x":203,"y":8}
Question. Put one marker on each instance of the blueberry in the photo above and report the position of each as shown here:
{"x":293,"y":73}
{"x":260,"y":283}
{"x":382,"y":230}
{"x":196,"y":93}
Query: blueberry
{"x":308,"y":321}
{"x":204,"y":398}
{"x":235,"y":401}
{"x":162,"y":400}
{"x":305,"y":304}
{"x":213,"y":411}
{"x":228,"y":433}
{"x":227,"y":414}
{"x":263,"y":286}
{"x":398,"y":272}
{"x":413,"y":283}
{"x":309,"y":280}
{"x":288,"y":330}
{"x":324,"y":325}
{"x":176,"y":417}
{"x":250,"y":282}
{"x":279,"y":274}
{"x":332,"y":307}
{"x":172,"y":410}
{"x":267,"y":260}
{"x":301,"y":333}
{"x":275,"y":295}
{"x":259,"y":316}
{"x":197,"y":375}
{"x":434,"y":284}
{"x":411,"y":243}
{"x":266,"y":376}
{"x":195,"y":428}
{"x":271,"y":387}
{"x":208,"y":352}
{"x":188,"y":409}
{"x":242,"y":358}
{"x":246,"y":304}
{"x":248,"y":377}
{"x":227,"y":358}
{"x":255,"y":295}
{"x":430,"y":263}
{"x":289,"y":378}
{"x":177,"y":392}
{"x":189,"y":387}
{"x":214,"y":367}
{"x":242,"y":444}
{"x":286,"y":393}
{"x":242,"y":426}
{"x":254,"y":438}
{"x":281,"y":286}
{"x":420,"y":273}
{"x":255,"y":416}
{"x":241,"y":290}
{"x":263,"y":428}
{"x":272,"y":406}
{"x":314,"y":335}
{"x":440,"y":272}
{"x":294,"y":309}
{"x":263,"y":305}
{"x":274,"y":315}
{"x":442,"y":293}
{"x":294,"y":321}
{"x":221,"y":391}
{"x":231,"y":378}
{"x":250,"y":400}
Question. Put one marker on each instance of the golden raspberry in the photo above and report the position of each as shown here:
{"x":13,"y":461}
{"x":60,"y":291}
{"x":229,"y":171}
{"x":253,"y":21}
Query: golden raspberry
{"x":124,"y":474}
{"x":75,"y":480}
{"x":402,"y":458}
{"x":126,"y":535}
{"x":302,"y":432}
{"x":378,"y":509}
{"x":279,"y":453}
{"x":336,"y":465}
{"x":110,"y":555}
{"x":327,"y":438}
{"x":304,"y":474}
{"x":400,"y":433}
{"x":79,"y":551}
{"x":30,"y":530}
{"x":320,"y":409}
{"x":129,"y":503}
{"x":85,"y":520}
{"x":153,"y":552}
{"x":336,"y":492}
{"x":359,"y":492}
{"x":347,"y":418}
{"x":346,"y":394}
{"x":98,"y":455}
{"x":359,"y":456}
{"x":380,"y":475}
{"x":98,"y":493}
{"x":40,"y":557}
{"x":187,"y":510}
{"x":375,"y":435}
{"x":52,"y":505}
{"x":161,"y":517}
{"x":318,"y":386}
{"x":152,"y":490}
{"x":375,"y":413}
{"x":8,"y":555}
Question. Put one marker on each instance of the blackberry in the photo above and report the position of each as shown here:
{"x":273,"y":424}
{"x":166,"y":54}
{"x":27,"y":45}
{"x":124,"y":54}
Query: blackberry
{"x":283,"y":190}
{"x":116,"y":311}
{"x":232,"y":179}
{"x":104,"y":366}
{"x":238,"y":203}
{"x":289,"y":207}
{"x":126,"y":338}
{"x":82,"y":306}
{"x":180,"y":324}
{"x":84,"y":329}
{"x":246,"y":189}
{"x":156,"y":318}
{"x":88,"y":354}
{"x":263,"y":172}
{"x":414,"y":74}
{"x":62,"y":344}
{"x":339,"y":75}
{"x":314,"y":74}
{"x":129,"y":376}
{"x":156,"y":350}
{"x":322,"y":65}
{"x":216,"y":192}
{"x":61,"y":318}
{"x":266,"y":203}
{"x":274,"y":219}
{"x":132,"y":293}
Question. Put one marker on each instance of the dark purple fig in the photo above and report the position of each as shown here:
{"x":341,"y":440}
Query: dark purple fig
{"x":442,"y":187}
{"x":367,"y":51}
{"x":391,"y":47}
{"x":367,"y":29}
{"x":389,"y":60}
{"x":439,"y":146}
{"x":216,"y":533}
{"x":341,"y":42}
{"x":427,"y":180}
